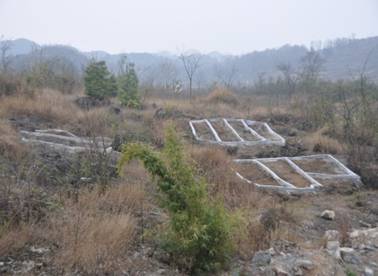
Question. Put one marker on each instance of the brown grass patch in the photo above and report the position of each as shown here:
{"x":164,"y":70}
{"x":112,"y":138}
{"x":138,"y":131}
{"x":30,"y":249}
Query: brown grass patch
{"x":10,"y":147}
{"x":50,"y":108}
{"x":318,"y":142}
{"x":47,"y":104}
{"x":95,"y":231}
{"x":216,"y":166}
{"x":15,"y":238}
{"x":222,"y":95}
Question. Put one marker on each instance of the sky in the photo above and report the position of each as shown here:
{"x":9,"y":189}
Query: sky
{"x":225,"y":26}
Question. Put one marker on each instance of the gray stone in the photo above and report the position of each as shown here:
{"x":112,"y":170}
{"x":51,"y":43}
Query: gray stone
{"x":27,"y":266}
{"x":332,"y":235}
{"x":333,"y":248}
{"x":328,"y":214}
{"x":365,"y":224}
{"x":298,"y":271}
{"x":280,"y":271}
{"x":349,"y":255}
{"x":261,"y":258}
{"x":271,"y":251}
{"x":305,"y":264}
{"x":40,"y":250}
{"x":368,"y":271}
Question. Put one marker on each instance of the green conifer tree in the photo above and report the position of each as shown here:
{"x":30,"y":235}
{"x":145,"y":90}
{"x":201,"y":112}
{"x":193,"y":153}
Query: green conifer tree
{"x":128,"y":87}
{"x":99,"y":82}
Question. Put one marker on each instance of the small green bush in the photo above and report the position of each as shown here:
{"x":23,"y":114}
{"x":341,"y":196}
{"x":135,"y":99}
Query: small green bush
{"x":199,"y":232}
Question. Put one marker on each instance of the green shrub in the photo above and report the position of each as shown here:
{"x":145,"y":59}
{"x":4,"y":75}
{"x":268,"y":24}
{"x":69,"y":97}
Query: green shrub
{"x":99,"y":83}
{"x":199,"y":232}
{"x":348,"y":272}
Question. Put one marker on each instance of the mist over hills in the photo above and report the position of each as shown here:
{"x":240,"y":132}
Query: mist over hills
{"x":343,"y":59}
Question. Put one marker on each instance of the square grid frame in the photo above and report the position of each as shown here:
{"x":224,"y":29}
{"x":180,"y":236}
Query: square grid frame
{"x":343,"y":174}
{"x":248,"y":126}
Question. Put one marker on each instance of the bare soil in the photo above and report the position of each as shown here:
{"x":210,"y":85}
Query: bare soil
{"x":317,"y":165}
{"x":287,"y":173}
{"x":243,"y":132}
{"x":224,"y":132}
{"x":203,"y":131}
{"x":262,"y":130}
{"x":254,"y":173}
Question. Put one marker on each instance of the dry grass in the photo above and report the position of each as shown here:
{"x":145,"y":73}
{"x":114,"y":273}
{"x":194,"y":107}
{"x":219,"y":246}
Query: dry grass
{"x":248,"y":107}
{"x":95,"y":231}
{"x":93,"y":122}
{"x":94,"y":243}
{"x":15,"y":238}
{"x":48,"y":104}
{"x":215,"y":165}
{"x":52,"y":108}
{"x":318,"y":142}
{"x":9,"y":142}
{"x":222,"y":95}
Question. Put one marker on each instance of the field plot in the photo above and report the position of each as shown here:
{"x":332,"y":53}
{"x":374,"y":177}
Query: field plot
{"x":254,"y":173}
{"x":203,"y":131}
{"x":294,"y":174}
{"x":234,"y":132}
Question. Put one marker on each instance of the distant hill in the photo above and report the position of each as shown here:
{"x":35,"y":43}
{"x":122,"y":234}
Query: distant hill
{"x":343,"y":59}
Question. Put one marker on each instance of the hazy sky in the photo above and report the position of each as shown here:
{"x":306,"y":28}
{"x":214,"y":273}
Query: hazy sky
{"x":227,"y":26}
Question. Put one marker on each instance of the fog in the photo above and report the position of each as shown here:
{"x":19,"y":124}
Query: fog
{"x":235,"y":27}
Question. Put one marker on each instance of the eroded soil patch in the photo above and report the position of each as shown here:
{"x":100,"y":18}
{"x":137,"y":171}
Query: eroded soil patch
{"x":252,"y":172}
{"x":224,"y":132}
{"x":287,"y":173}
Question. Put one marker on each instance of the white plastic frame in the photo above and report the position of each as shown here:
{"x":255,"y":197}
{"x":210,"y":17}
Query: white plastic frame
{"x":345,"y":173}
{"x":248,"y":125}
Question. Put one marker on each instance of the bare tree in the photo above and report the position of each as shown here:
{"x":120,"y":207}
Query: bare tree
{"x":312,"y":64}
{"x":191,"y":64}
{"x":5,"y":59}
{"x":168,"y":74}
{"x":290,"y":77}
{"x":226,"y":73}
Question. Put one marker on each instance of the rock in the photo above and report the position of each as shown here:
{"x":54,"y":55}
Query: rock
{"x":40,"y":250}
{"x":368,"y":237}
{"x":332,"y":235}
{"x":298,"y":271}
{"x":161,"y":271}
{"x":365,"y":224}
{"x":27,"y":266}
{"x":261,"y":258}
{"x":328,"y":214}
{"x":305,"y":264}
{"x":292,"y":132}
{"x":368,"y":271}
{"x":271,"y":251}
{"x":349,"y":255}
{"x":333,"y":248}
{"x":280,"y":271}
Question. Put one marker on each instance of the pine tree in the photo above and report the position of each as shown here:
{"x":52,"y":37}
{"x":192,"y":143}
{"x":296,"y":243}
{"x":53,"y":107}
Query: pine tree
{"x":128,"y":87}
{"x":99,"y":82}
